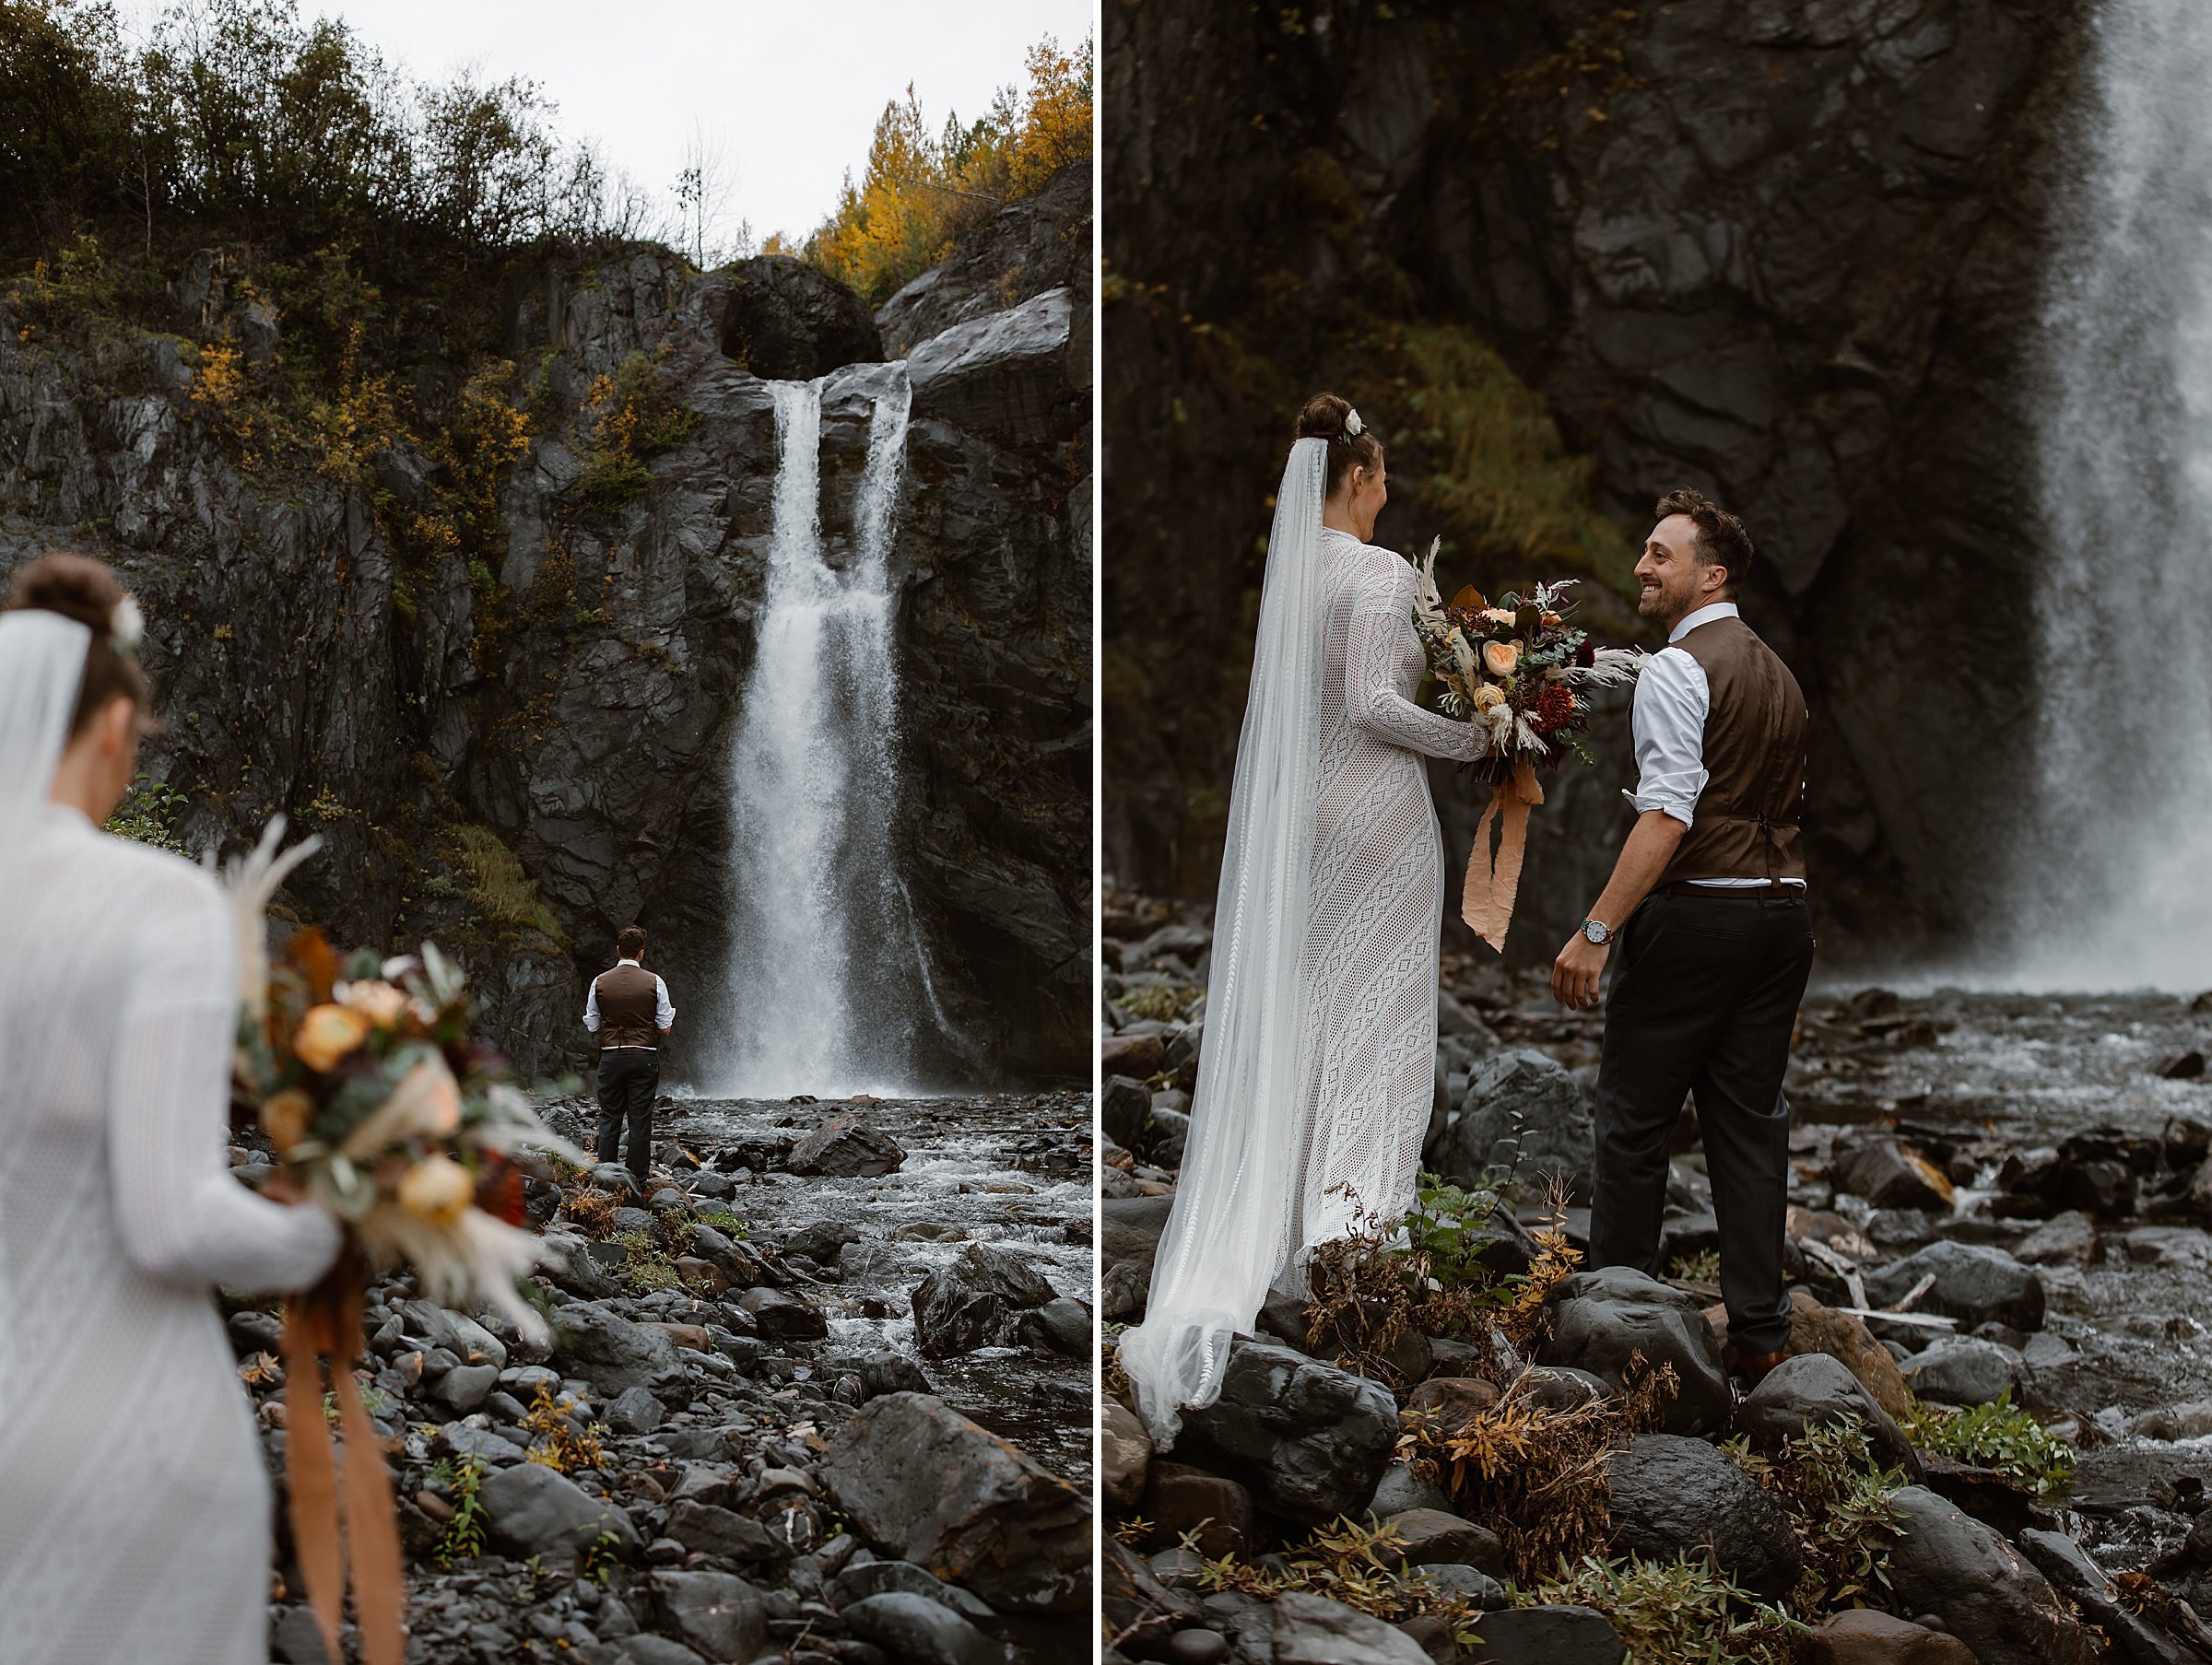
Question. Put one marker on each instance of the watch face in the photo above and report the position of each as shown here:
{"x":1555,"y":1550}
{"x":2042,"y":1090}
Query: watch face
{"x":1594,"y":931}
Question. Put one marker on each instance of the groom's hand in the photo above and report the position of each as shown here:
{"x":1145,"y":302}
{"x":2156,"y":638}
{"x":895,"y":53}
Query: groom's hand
{"x":1576,"y":973}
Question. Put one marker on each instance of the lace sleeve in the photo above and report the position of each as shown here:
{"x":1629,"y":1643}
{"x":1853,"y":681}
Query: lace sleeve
{"x":1382,"y":635}
{"x":179,"y":1211}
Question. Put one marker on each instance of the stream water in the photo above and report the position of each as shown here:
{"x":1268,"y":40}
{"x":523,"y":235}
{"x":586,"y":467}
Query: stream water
{"x":1011,"y":1169}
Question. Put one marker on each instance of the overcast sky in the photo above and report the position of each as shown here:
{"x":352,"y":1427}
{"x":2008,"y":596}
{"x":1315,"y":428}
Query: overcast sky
{"x":789,"y":89}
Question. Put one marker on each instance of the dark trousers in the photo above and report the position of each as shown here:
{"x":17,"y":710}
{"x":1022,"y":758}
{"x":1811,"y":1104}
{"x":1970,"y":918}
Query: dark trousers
{"x":629,"y":1076}
{"x":1704,"y":996}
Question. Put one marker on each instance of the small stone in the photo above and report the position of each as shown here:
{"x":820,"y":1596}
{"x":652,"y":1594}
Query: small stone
{"x":1966,"y":1370}
{"x":532,"y":1511}
{"x":911,"y":1627}
{"x":635,"y":1410}
{"x":1889,"y":1175}
{"x":1815,"y":1390}
{"x":1213,"y":1509}
{"x":466,"y":1386}
{"x":847,"y":1147}
{"x":1974,"y":1282}
{"x":1863,"y":1637}
{"x":1310,"y":1440}
{"x":717,"y":1613}
{"x":2068,"y":1237}
{"x":1547,"y":1635}
{"x":1439,"y":1535}
{"x":1313,"y":1630}
{"x":1197,"y":1647}
{"x":1125,"y":1454}
{"x":1125,"y":1109}
{"x":1673,"y":1495}
{"x":719,"y":1532}
{"x":784,"y":1317}
{"x":1602,"y":1320}
{"x":1457,"y":1578}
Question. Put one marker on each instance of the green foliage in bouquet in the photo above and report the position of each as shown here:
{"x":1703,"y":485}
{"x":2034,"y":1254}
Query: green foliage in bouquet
{"x":1997,"y":1435}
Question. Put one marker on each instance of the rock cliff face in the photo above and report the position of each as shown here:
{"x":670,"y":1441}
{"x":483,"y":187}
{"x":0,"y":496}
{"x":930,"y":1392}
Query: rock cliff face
{"x":1788,"y":253}
{"x":520,"y":761}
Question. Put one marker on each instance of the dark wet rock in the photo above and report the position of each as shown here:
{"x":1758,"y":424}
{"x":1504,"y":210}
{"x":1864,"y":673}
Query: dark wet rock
{"x":1990,"y":1496}
{"x":1309,"y":1439}
{"x":1966,"y":1370}
{"x":931,"y":1487}
{"x":609,"y":1351}
{"x":1863,"y":1637}
{"x":1815,"y":1390}
{"x":714,"y":1530}
{"x":847,"y":1147}
{"x":1061,"y":1325}
{"x":787,"y":321}
{"x":1460,"y":1579}
{"x":1439,"y":1535}
{"x":1600,"y":1319}
{"x":1450,"y":1400}
{"x":1135,"y":1602}
{"x":911,"y":1627}
{"x":530,"y":1510}
{"x":635,"y":1410}
{"x":2070,"y":1237}
{"x":718,"y":1615}
{"x":465,"y":1387}
{"x":1125,"y":1111}
{"x":1673,"y":1495}
{"x":880,"y":1577}
{"x":1125,"y":1457}
{"x":783,"y":1317}
{"x":1889,"y":1175}
{"x":977,"y":1301}
{"x":1214,"y":1509}
{"x":1003,"y":376}
{"x":1313,"y":1630}
{"x":1400,"y":1489}
{"x":887,"y":1370}
{"x":1985,"y":1592}
{"x":2082,"y":1581}
{"x":1547,"y":1635}
{"x":646,"y":1649}
{"x":1131,"y":1058}
{"x":1561,"y":1387}
{"x":1523,"y":1110}
{"x":1974,"y":1282}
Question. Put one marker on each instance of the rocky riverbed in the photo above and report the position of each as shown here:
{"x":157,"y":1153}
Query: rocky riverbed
{"x":816,"y":1392}
{"x":1995,"y":1196}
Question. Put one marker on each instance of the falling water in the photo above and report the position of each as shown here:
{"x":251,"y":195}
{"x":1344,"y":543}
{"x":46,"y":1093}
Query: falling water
{"x":2113,"y":874}
{"x":827,"y":991}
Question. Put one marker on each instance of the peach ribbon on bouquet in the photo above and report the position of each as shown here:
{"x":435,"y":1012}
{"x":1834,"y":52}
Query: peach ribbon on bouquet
{"x":358,"y":1534}
{"x":1487,"y":901}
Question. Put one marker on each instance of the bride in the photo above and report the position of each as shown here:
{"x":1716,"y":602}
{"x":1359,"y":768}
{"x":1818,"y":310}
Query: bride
{"x":1319,"y":1064}
{"x":134,"y":1509}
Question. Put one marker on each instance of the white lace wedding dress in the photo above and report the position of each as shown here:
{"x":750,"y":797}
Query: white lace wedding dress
{"x":133,"y":1505}
{"x":1376,"y":904}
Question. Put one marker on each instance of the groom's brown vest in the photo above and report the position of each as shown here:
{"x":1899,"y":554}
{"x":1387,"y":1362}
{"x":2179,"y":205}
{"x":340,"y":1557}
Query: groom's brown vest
{"x":629,"y":1005}
{"x":1745,"y":826}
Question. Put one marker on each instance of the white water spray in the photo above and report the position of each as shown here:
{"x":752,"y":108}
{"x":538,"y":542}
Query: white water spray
{"x":2112,"y":873}
{"x":827,"y":991}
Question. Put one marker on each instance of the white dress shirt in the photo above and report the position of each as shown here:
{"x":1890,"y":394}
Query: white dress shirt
{"x":664,"y":1016}
{"x":1672,"y":701}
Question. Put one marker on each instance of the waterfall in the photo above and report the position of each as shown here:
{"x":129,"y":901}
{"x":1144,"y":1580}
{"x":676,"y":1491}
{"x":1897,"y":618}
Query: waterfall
{"x":827,"y":990}
{"x":2111,"y":871}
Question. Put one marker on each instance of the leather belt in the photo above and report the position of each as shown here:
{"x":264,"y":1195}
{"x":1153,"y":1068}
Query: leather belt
{"x":1766,"y":887}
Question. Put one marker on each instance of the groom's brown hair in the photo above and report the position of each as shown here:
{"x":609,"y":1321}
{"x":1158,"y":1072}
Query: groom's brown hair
{"x":630,"y":942}
{"x":1721,"y":541}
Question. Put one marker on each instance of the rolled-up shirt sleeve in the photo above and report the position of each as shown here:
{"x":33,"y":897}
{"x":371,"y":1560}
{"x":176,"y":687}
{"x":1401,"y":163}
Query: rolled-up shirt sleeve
{"x":1668,"y":717}
{"x":664,"y":1016}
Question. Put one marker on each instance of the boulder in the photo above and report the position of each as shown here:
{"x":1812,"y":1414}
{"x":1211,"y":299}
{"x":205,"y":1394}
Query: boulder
{"x":1131,"y":1057}
{"x":597,"y":1343}
{"x":1966,"y":1370}
{"x":1863,"y":1637}
{"x":1892,"y":1176}
{"x":847,"y":1147}
{"x":1400,"y":1490}
{"x":1561,"y":1387}
{"x":1125,"y":1455}
{"x":863,"y":1579}
{"x":714,"y":1530}
{"x":1439,"y":1535}
{"x":530,"y":1510}
{"x":1846,"y":1338}
{"x":1213,"y":1509}
{"x":787,"y":321}
{"x":1974,"y":1282}
{"x":913,"y":1628}
{"x":1000,"y":375}
{"x":1310,"y":1440}
{"x":784,"y":1317}
{"x":1599,"y":1319}
{"x":635,"y":1410}
{"x":1135,"y":1603}
{"x":1815,"y":1390}
{"x":1451,"y":1400}
{"x":717,"y":1615}
{"x":977,"y":1301}
{"x":1546,"y":1636}
{"x":744,"y":1267}
{"x":1313,"y":1630}
{"x":1523,"y":1110}
{"x":1061,"y":1325}
{"x":1124,"y":1110}
{"x":925,"y":1483}
{"x":2070,"y":1237}
{"x":1673,"y":1495}
{"x":1986,"y":1594}
{"x":458,"y":1333}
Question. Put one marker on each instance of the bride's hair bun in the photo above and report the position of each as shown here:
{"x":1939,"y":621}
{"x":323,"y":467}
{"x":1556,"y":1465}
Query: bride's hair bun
{"x":1352,"y":444}
{"x":78,"y":587}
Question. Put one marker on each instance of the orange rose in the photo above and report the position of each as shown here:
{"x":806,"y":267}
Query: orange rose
{"x":326,"y":1035}
{"x":286,"y":1117}
{"x":438,"y":1190}
{"x":1499,"y":658}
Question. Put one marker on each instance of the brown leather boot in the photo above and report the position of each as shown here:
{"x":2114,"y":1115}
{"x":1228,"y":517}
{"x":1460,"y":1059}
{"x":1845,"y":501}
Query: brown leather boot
{"x":1752,"y":1366}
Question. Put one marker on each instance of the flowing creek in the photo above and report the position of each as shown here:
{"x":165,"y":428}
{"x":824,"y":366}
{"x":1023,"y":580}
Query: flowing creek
{"x":1011,"y":1169}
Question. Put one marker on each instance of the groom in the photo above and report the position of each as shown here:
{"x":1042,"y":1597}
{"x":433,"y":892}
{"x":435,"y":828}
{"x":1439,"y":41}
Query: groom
{"x":1716,"y":940}
{"x":629,"y":1010}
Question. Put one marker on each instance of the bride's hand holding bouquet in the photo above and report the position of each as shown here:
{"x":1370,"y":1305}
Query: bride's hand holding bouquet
{"x":1525,"y":673}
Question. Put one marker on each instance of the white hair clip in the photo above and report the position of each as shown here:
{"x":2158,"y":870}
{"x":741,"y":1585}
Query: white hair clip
{"x":1353,"y":426}
{"x":126,"y":626}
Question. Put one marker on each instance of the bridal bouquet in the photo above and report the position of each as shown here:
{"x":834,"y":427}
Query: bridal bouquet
{"x":1523,"y":672}
{"x":385,"y":1111}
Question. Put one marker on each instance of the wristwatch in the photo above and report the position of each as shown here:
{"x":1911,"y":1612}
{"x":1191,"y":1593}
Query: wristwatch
{"x":1597,"y":930}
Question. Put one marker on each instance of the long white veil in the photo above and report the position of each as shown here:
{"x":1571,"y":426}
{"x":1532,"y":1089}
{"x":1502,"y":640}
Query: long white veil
{"x":41,"y":663}
{"x":1228,"y":1230}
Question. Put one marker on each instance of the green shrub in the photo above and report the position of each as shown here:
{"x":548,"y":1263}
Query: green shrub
{"x":148,"y":815}
{"x":1671,"y":1613}
{"x":1995,"y":1436}
{"x":498,"y":887}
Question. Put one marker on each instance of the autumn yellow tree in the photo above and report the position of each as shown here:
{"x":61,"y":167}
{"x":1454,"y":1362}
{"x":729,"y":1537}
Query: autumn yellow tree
{"x":920,"y":190}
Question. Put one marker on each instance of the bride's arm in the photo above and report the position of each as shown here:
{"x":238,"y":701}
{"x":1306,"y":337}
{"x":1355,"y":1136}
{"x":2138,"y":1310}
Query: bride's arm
{"x":1382,"y":634}
{"x":180,"y":1212}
